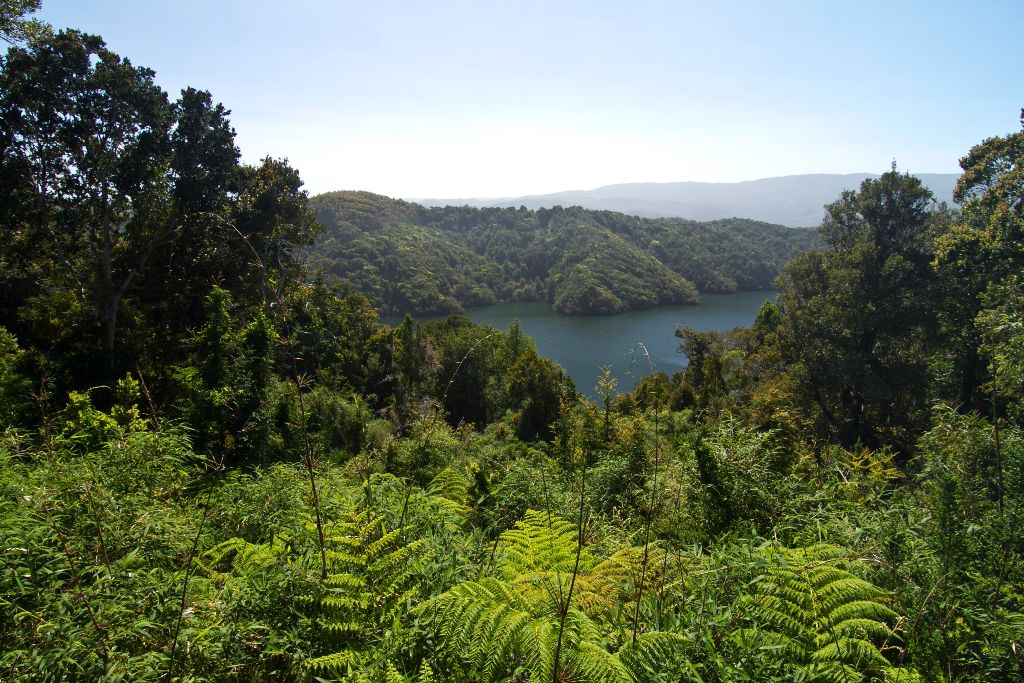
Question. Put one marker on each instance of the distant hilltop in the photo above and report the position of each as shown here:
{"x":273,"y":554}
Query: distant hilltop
{"x":795,"y":201}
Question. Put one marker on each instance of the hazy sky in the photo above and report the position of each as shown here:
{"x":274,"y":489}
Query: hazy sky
{"x":476,"y":98}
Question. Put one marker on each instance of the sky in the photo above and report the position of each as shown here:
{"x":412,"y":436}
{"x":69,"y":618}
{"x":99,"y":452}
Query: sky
{"x":476,"y":98}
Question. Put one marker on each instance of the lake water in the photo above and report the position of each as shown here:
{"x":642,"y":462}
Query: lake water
{"x":582,"y":344}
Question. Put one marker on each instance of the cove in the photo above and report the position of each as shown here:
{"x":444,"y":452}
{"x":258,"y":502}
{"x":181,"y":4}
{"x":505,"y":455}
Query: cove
{"x":583,"y":344}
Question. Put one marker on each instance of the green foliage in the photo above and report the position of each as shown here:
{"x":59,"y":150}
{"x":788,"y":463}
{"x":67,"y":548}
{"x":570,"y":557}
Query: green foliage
{"x":1002,"y":332}
{"x":14,"y":384}
{"x":227,"y":386}
{"x":740,"y":480}
{"x":510,"y":622}
{"x":409,"y":258}
{"x":145,"y":269}
{"x":15,"y":24}
{"x":824,"y":623}
{"x":856,"y":327}
{"x":366,"y":593}
{"x":89,"y":583}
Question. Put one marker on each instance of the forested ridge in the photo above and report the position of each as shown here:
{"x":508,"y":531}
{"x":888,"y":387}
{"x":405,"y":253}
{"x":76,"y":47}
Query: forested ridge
{"x":413,"y":259}
{"x":216,"y":465}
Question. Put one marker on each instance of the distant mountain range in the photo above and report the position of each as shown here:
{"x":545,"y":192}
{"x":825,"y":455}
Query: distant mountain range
{"x":795,"y":201}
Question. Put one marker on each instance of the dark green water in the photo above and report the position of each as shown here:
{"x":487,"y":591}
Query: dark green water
{"x":582,"y":344}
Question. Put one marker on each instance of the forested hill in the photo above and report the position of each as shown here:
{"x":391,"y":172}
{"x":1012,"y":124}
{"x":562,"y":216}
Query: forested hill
{"x":411,"y":258}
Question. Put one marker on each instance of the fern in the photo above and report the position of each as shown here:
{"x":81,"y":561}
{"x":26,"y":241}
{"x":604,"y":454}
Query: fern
{"x":237,"y":554}
{"x":367,"y":589}
{"x":831,"y":625}
{"x":508,"y":622}
{"x":537,"y":545}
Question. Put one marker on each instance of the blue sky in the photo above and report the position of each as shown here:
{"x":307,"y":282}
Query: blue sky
{"x":468,"y":99}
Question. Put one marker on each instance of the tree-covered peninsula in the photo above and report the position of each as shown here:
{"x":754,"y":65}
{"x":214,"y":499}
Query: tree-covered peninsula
{"x":410,"y":258}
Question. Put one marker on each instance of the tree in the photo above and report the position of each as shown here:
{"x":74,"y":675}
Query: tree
{"x":102,"y":167}
{"x":703,"y":379}
{"x":15,"y":26}
{"x":982,"y":249}
{"x":856,"y":319}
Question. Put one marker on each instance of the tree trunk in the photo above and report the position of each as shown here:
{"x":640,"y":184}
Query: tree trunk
{"x":108,"y":318}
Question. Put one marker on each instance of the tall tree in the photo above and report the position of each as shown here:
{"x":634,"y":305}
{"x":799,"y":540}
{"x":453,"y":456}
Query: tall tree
{"x":104,"y":172}
{"x":982,"y":250}
{"x":855,"y":320}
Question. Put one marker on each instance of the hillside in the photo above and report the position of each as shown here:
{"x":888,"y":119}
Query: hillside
{"x":411,"y":258}
{"x":794,"y":201}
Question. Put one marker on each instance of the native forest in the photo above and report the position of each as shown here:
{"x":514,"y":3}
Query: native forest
{"x":218,"y":464}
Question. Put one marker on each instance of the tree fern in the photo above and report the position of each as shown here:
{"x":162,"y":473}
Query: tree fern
{"x":366,"y":591}
{"x":827,"y":623}
{"x":510,"y":621}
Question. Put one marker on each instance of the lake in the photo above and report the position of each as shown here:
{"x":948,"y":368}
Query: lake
{"x":582,"y":344}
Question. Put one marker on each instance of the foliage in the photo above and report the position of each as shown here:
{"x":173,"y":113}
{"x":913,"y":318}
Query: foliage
{"x":855,"y":326}
{"x":510,"y":622}
{"x":365,"y":593}
{"x":409,"y":258}
{"x":15,"y":24}
{"x":215,"y":466}
{"x":825,"y":623}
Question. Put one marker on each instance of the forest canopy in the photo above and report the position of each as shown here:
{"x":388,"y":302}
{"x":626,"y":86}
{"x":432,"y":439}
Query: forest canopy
{"x":412,"y":259}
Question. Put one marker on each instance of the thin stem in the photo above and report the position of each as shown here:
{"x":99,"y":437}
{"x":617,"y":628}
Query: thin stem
{"x":655,"y":506}
{"x":995,"y":429}
{"x":99,"y":528}
{"x":551,"y":549}
{"x":154,"y":416}
{"x":575,"y":570}
{"x":307,"y":458}
{"x":184,"y":587}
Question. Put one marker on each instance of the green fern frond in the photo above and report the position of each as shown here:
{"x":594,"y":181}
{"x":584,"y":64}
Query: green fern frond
{"x":539,"y":542}
{"x":348,"y":582}
{"x":647,"y":659}
{"x":868,"y":609}
{"x":857,"y":652}
{"x":369,"y":584}
{"x":449,"y":483}
{"x":334,"y":664}
{"x":503,"y":624}
{"x":820,"y":616}
{"x":591,"y":662}
{"x":426,"y":674}
{"x":392,"y":675}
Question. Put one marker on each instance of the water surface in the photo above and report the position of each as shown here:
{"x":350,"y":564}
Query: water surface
{"x":582,"y":344}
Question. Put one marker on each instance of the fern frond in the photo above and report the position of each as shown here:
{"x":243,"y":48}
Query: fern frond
{"x":821,"y":616}
{"x":861,"y":609}
{"x":535,"y":544}
{"x":335,"y":664}
{"x":426,"y":674}
{"x":449,"y":484}
{"x":591,"y":662}
{"x":369,"y":584}
{"x":856,"y":652}
{"x":647,"y":659}
{"x":392,"y":675}
{"x":347,"y":582}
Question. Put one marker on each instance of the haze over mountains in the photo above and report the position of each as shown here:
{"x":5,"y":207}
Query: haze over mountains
{"x":795,"y":201}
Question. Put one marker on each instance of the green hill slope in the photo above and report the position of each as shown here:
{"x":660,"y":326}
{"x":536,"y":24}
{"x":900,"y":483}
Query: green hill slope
{"x":437,"y":260}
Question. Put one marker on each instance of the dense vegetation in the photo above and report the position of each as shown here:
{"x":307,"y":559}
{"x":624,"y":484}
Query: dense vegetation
{"x":409,"y":258}
{"x":216,"y":467}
